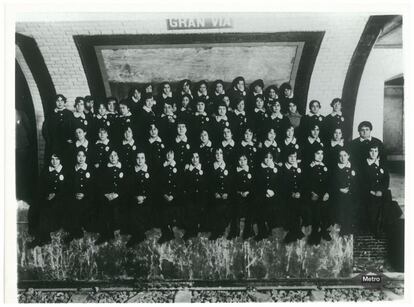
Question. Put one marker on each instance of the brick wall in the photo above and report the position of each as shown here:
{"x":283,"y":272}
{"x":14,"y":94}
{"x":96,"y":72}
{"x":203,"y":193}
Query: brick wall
{"x":55,"y":40}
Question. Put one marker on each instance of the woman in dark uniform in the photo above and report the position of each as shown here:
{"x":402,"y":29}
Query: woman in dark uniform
{"x":124,"y":120}
{"x":312,"y":142}
{"x":242,"y":199}
{"x":285,"y":96}
{"x":258,"y":118}
{"x":290,"y":142}
{"x":313,"y":118}
{"x":184,"y":109}
{"x":80,"y":143}
{"x":100,"y":120}
{"x":248,"y":148}
{"x":335,"y":119}
{"x":206,"y":150}
{"x":270,"y":145}
{"x":220,"y":121}
{"x":167,"y":122}
{"x":256,"y":88}
{"x":139,"y":199}
{"x":101,"y":150}
{"x":166,"y":92}
{"x":332,"y":148}
{"x":110,"y":198}
{"x":128,"y":150}
{"x":194,"y":196}
{"x":239,"y":119}
{"x":271,"y":95}
{"x":181,"y":145}
{"x":155,"y":149}
{"x":237,"y":91}
{"x":229,"y":147}
{"x":277,"y":120}
{"x":200,"y":121}
{"x":79,"y":116}
{"x":220,"y":188}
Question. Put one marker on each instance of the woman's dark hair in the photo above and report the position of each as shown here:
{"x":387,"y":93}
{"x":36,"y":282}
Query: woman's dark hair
{"x":78,"y":100}
{"x":312,"y":102}
{"x":60,"y":96}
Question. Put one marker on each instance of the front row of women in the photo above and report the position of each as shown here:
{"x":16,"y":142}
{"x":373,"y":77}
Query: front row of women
{"x":215,"y":199}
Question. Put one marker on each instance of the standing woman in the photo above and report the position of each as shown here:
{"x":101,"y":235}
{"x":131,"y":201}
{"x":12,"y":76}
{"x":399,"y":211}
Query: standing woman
{"x":135,"y":101}
{"x":100,"y":152}
{"x":312,"y":119}
{"x":80,"y":199}
{"x":248,"y":148}
{"x":220,"y":121}
{"x":220,"y":194}
{"x":218,"y":92}
{"x":237,"y":91}
{"x":184,"y":109}
{"x":270,"y":145}
{"x":243,"y":196}
{"x":285,"y":96}
{"x":100,"y":120}
{"x":333,"y":147}
{"x":139,"y":198}
{"x":112,"y":113}
{"x":345,"y":193}
{"x":271,"y":95}
{"x":81,"y":143}
{"x":239,"y":119}
{"x":256,"y":88}
{"x":194,"y":196}
{"x":335,"y":119}
{"x":206,"y":149}
{"x":128,"y":150}
{"x":124,"y":120}
{"x":276,"y":120}
{"x":184,"y":89}
{"x":51,"y":201}
{"x":311,"y":143}
{"x":79,"y":116}
{"x":289,"y":143}
{"x":258,"y":117}
{"x":111,"y":187}
{"x":228,"y":147}
{"x":58,"y":127}
{"x":155,"y":149}
{"x":166,"y":92}
{"x":293,"y":115}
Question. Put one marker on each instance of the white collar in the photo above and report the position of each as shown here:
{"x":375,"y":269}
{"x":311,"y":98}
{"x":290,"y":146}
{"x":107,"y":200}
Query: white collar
{"x":245,"y":143}
{"x":237,"y":112}
{"x":188,"y":93}
{"x":259,"y":93}
{"x":199,"y":114}
{"x":191,"y":167}
{"x":274,"y":115}
{"x":347,"y":165}
{"x":172,"y":163}
{"x":182,"y":138}
{"x":99,"y":116}
{"x":84,"y":167}
{"x":202,"y":94}
{"x":272,"y":165}
{"x":246,"y":168}
{"x":218,"y":94}
{"x":164,"y":115}
{"x":336,"y":113}
{"x":219,"y":118}
{"x":267,"y":143}
{"x":102,"y":142}
{"x":313,"y":140}
{"x":58,"y":169}
{"x":313,"y":115}
{"x":152,"y":140}
{"x":314,"y":163}
{"x":147,"y":109}
{"x":340,"y":142}
{"x":183,"y":109}
{"x":289,"y":166}
{"x":118,"y":165}
{"x":131,"y":142}
{"x":208,"y":144}
{"x":256,"y":110}
{"x":143,"y":168}
{"x":167,"y":95}
{"x":134,"y":99}
{"x":221,"y":165}
{"x":77,"y":115}
{"x":225,"y":143}
{"x":59,"y":110}
{"x":362,"y":140}
{"x":84,"y":143}
{"x":370,"y":162}
{"x":239,"y":91}
{"x":290,"y":141}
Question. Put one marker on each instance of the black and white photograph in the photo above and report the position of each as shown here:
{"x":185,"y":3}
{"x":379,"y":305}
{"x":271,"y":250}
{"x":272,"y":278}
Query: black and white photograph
{"x":208,"y":157}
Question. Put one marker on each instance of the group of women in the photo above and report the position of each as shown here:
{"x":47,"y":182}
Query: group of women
{"x":224,"y":162}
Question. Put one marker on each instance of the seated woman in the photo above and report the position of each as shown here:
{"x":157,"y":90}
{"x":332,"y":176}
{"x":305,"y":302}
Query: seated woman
{"x":270,"y":145}
{"x":335,"y":120}
{"x":248,"y":148}
{"x":312,"y":119}
{"x":290,"y":142}
{"x":310,"y":143}
{"x":50,"y":205}
{"x":333,"y":146}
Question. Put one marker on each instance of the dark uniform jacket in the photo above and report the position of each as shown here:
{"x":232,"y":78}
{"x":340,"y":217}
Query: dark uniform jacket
{"x":292,"y":179}
{"x":182,"y":148}
{"x":128,"y":154}
{"x":318,"y":179}
{"x":100,"y":154}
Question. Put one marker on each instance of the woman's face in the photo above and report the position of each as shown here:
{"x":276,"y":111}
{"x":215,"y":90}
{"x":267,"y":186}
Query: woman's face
{"x":219,"y":88}
{"x":221,"y":110}
{"x":202,"y":88}
{"x":240,"y":85}
{"x":80,"y":157}
{"x":226,"y":100}
{"x":241,"y":106}
{"x":140,"y":159}
{"x":319,"y":156}
{"x":315,"y":132}
{"x":315,"y":108}
{"x":137,"y":94}
{"x":276,"y":107}
{"x":54,"y":161}
{"x":185,"y":102}
{"x":248,"y":136}
{"x":181,"y":129}
{"x":337,"y":134}
{"x":259,"y":103}
{"x":200,"y":107}
{"x":292,"y":107}
{"x":80,"y":134}
{"x":80,"y":107}
{"x":113,"y":157}
{"x":102,"y":110}
{"x":153,"y":131}
{"x":111,"y":106}
{"x":148,"y":89}
{"x":103,"y":135}
{"x":268,"y":159}
{"x":60,"y":103}
{"x":186,"y":87}
{"x":272,"y":93}
{"x":287,"y":92}
{"x":292,"y":158}
{"x":290,"y":132}
{"x":337,"y":107}
{"x":204,"y":137}
{"x":195,"y":159}
{"x":271,"y":135}
{"x":227,"y":134}
{"x":166,"y":89}
{"x":242,"y":161}
{"x":123,"y":109}
{"x":219,"y":155}
{"x":343,"y":157}
{"x":373,"y":153}
{"x":168,"y":109}
{"x":128,"y":134}
{"x":170,"y":155}
{"x":148,"y":102}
